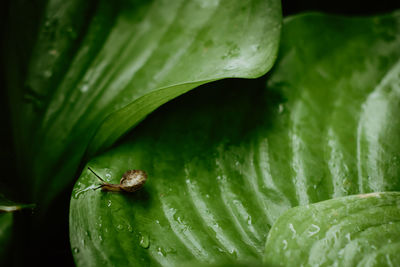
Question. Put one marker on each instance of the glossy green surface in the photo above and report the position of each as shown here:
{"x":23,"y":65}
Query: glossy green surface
{"x":359,"y":230}
{"x":225,"y":161}
{"x":97,"y":68}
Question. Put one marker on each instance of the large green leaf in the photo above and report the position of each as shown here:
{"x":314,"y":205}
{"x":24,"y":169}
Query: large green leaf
{"x":226,"y":161}
{"x":97,"y":68}
{"x":360,"y":230}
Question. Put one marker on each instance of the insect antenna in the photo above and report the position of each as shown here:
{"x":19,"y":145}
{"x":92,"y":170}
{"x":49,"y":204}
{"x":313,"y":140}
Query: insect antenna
{"x":100,"y":186}
{"x":101,"y":179}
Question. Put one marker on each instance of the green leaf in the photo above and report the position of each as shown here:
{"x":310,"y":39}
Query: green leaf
{"x":7,"y":207}
{"x":97,"y":68}
{"x":360,"y":230}
{"x":6,"y":223}
{"x":224,"y":162}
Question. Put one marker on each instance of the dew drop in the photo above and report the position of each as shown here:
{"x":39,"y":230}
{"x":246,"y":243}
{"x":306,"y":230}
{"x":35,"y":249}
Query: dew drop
{"x":145,"y":242}
{"x":233,"y":253}
{"x":179,"y":220}
{"x":84,"y":88}
{"x":109,"y":203}
{"x":161,"y":252}
{"x":316,"y":230}
{"x":47,"y":74}
{"x":220,"y":250}
{"x":249,"y":220}
{"x":280,"y":108}
{"x":284,"y":244}
{"x":75,"y":250}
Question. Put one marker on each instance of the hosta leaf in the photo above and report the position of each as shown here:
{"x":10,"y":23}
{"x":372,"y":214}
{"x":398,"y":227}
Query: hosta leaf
{"x":360,"y":230}
{"x":226,"y":161}
{"x":97,"y":68}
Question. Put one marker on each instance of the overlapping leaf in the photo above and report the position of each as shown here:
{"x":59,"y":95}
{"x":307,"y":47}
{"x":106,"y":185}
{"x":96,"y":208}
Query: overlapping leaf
{"x":6,"y":221}
{"x":361,"y":230}
{"x":7,"y":207}
{"x":226,"y":161}
{"x":97,"y":68}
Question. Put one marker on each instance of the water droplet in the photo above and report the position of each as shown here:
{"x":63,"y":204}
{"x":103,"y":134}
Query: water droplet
{"x":47,"y":74}
{"x":120,"y":227}
{"x":293,"y":230}
{"x":145,"y":242}
{"x":233,"y":253}
{"x":130,"y":228}
{"x":84,"y":88}
{"x":284,"y":244}
{"x":180,"y":220}
{"x":109,"y":203}
{"x":280,"y":108}
{"x":249,"y":220}
{"x":100,"y":238}
{"x":316,"y":230}
{"x":220,"y":250}
{"x":161,"y":252}
{"x":157,"y":222}
{"x":75,"y":250}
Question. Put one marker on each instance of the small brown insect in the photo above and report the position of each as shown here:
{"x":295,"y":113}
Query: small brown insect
{"x":131,"y":181}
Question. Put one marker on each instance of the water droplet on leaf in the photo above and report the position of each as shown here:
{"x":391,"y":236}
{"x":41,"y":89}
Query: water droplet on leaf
{"x":145,"y":241}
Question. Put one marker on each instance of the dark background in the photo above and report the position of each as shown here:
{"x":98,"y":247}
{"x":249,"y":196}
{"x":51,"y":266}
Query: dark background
{"x":53,"y":246}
